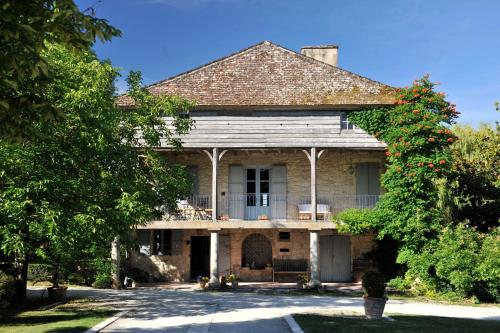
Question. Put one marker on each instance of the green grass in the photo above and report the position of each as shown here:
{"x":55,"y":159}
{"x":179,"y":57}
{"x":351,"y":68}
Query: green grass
{"x":74,"y":316}
{"x":402,"y":323}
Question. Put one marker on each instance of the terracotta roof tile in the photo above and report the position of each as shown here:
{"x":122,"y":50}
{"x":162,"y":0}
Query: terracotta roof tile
{"x":270,"y":75}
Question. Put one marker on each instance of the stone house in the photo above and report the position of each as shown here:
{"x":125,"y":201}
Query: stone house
{"x":273,"y":158}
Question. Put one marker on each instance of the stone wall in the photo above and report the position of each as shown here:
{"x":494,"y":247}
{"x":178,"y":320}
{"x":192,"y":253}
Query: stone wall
{"x":177,"y":268}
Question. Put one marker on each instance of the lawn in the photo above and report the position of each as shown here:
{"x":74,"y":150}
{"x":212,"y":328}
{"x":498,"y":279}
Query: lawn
{"x":402,"y":323}
{"x":74,"y":316}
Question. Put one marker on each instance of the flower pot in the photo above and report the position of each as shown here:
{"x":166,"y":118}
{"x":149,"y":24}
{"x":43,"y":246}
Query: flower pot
{"x":57,"y":294}
{"x":234,"y":284}
{"x":374,"y":307}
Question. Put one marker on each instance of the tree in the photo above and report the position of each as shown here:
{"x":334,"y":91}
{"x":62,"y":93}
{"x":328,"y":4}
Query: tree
{"x":26,"y":30}
{"x":472,"y":188}
{"x":90,"y":177}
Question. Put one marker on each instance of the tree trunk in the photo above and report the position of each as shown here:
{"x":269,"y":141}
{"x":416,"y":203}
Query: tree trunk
{"x":21,"y":284}
{"x":115,"y":263}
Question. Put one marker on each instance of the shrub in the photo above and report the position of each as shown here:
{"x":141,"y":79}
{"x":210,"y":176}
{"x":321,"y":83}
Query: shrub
{"x":374,"y":284}
{"x":102,"y":281}
{"x":39,"y":272}
{"x":399,"y":283}
{"x":7,"y":290}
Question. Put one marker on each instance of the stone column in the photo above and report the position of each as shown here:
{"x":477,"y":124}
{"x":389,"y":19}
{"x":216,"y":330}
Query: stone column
{"x":314,"y":259}
{"x":214,"y":259}
{"x":314,"y":206}
{"x":115,"y":263}
{"x":215,"y":165}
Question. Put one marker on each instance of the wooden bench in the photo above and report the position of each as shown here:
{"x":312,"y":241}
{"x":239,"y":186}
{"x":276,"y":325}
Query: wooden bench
{"x":290,"y":266}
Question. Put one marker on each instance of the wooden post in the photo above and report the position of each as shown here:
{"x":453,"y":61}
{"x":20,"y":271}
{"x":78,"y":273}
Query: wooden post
{"x":314,"y":207}
{"x":215,"y":165}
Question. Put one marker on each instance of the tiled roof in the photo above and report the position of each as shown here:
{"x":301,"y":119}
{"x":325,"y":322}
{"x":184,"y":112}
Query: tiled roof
{"x":270,"y":75}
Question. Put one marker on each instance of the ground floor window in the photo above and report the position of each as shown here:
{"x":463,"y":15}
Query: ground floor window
{"x":256,"y":252}
{"x":162,"y":242}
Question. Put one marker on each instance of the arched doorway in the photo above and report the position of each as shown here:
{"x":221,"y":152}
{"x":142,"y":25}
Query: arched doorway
{"x":256,"y":252}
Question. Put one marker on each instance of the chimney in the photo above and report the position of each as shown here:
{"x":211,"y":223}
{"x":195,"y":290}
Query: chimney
{"x":326,"y":53}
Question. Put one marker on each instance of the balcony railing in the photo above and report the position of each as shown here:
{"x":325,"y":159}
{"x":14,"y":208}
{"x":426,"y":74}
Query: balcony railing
{"x":266,"y":207}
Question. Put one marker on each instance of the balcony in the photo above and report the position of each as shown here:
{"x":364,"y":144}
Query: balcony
{"x":266,"y":207}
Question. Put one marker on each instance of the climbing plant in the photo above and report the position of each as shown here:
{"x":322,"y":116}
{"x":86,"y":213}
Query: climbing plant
{"x":416,"y":131}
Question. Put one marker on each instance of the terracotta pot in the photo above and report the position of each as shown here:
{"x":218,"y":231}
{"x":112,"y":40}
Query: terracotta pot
{"x":374,"y":307}
{"x":57,"y":294}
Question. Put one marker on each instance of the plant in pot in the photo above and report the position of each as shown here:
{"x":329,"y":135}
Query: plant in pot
{"x":302,"y":281}
{"x":202,"y":281}
{"x":233,"y":279}
{"x":375,"y":298}
{"x":57,"y":292}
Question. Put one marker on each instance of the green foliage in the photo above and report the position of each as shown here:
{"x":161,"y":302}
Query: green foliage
{"x":39,"y":272}
{"x":416,"y":133}
{"x":471,"y":191}
{"x":373,"y":284}
{"x":356,"y":221}
{"x":399,"y":283}
{"x":26,"y":30}
{"x":102,"y":281}
{"x":6,"y":291}
{"x":66,"y":194}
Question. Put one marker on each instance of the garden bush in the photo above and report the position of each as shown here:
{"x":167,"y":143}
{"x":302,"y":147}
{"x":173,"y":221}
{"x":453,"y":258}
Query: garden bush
{"x":39,"y":272}
{"x":102,"y":281}
{"x":7,"y":290}
{"x":399,"y":283}
{"x":374,"y":284}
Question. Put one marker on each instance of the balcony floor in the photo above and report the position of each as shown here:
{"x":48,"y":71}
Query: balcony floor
{"x":239,"y":224}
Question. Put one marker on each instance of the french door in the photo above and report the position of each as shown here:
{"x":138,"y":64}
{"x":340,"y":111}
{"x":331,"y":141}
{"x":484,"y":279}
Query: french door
{"x":257,"y":193}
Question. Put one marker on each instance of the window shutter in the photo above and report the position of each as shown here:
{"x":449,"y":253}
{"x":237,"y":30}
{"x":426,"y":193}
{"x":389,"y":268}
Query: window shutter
{"x":373,"y":179}
{"x":278,"y":192}
{"x":236,"y":192}
{"x":144,"y":241}
{"x":362,"y":179}
{"x":176,"y":242}
{"x":192,"y":171}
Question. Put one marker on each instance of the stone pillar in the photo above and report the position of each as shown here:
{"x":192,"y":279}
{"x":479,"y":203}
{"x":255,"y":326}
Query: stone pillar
{"x":314,"y":207}
{"x":115,"y":263}
{"x":215,"y":165}
{"x":314,"y":259}
{"x":214,"y":259}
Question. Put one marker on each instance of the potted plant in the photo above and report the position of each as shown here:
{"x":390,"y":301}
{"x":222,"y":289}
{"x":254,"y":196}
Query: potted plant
{"x":202,"y":281}
{"x":57,"y":293}
{"x":233,"y":279}
{"x":375,"y":298}
{"x":301,"y":281}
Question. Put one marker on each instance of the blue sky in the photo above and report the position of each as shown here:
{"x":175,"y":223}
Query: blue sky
{"x":392,"y":41}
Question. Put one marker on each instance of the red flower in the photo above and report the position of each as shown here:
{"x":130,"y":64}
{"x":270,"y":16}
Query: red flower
{"x":442,"y":161}
{"x":416,"y":111}
{"x":431,"y":165}
{"x":431,"y":139}
{"x":387,"y":153}
{"x":420,"y":164}
{"x":450,"y":140}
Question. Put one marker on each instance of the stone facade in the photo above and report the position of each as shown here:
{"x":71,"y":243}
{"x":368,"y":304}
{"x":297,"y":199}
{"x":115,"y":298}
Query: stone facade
{"x":177,"y":267}
{"x":335,"y":171}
